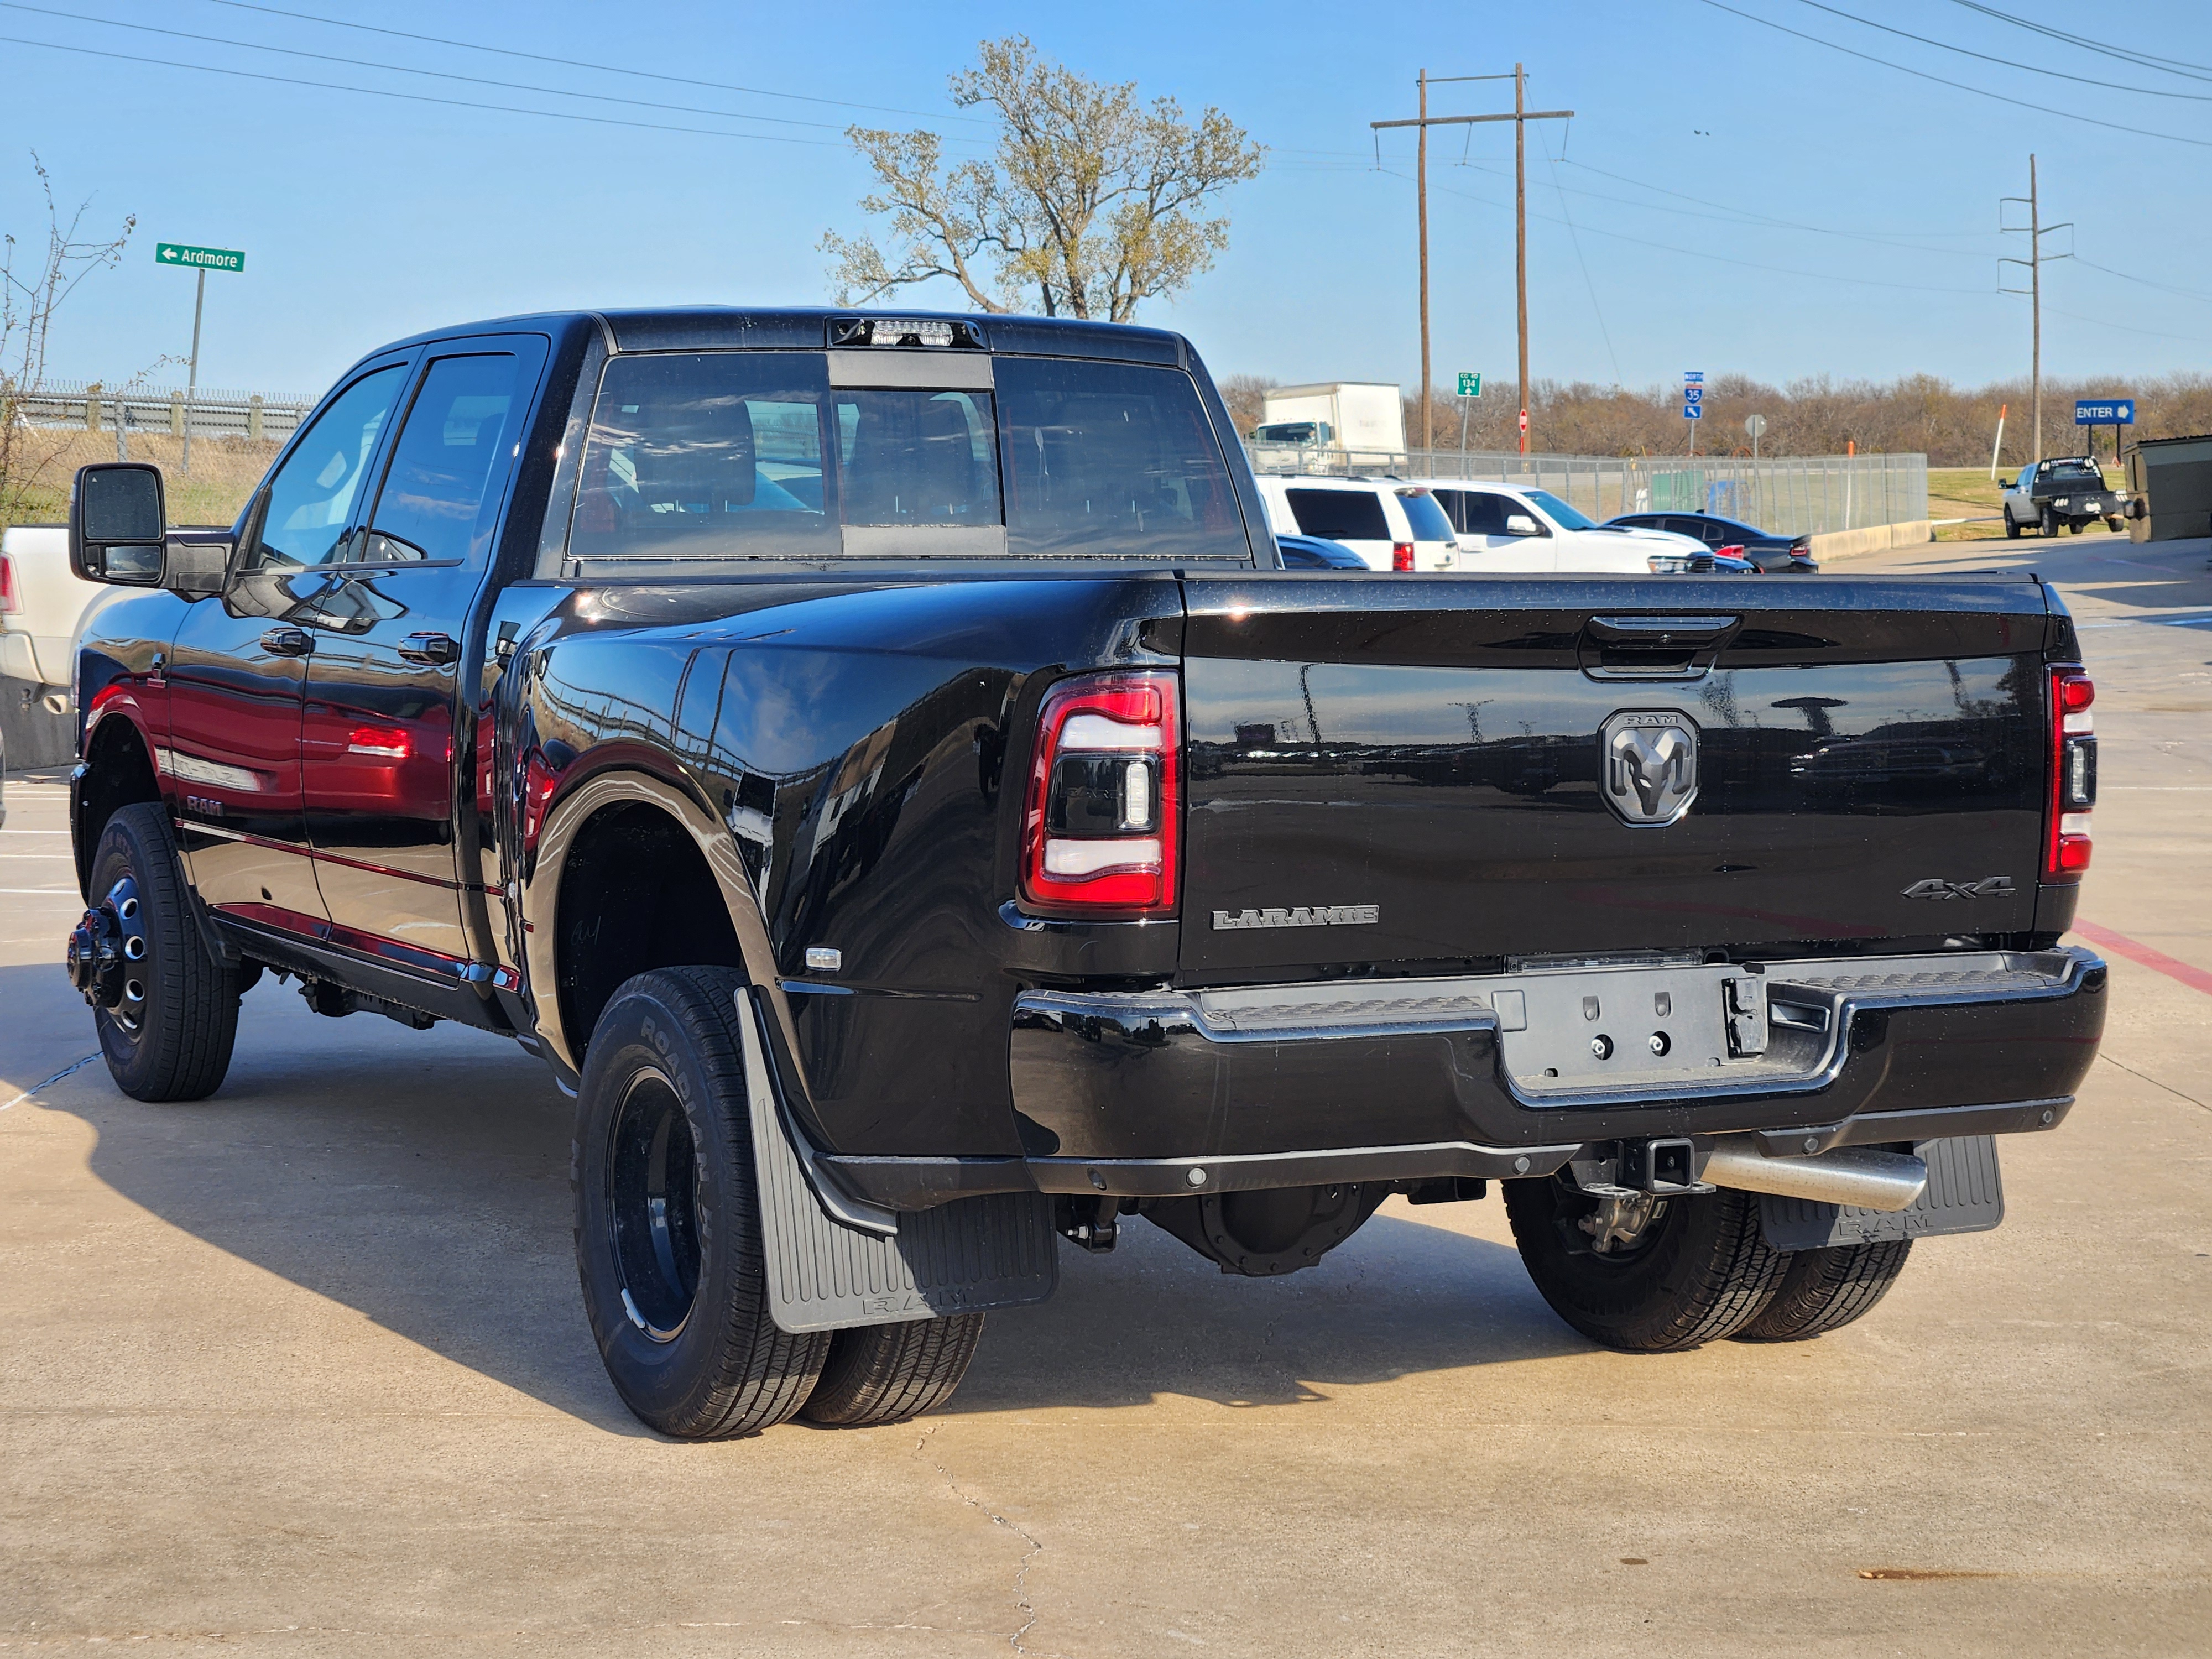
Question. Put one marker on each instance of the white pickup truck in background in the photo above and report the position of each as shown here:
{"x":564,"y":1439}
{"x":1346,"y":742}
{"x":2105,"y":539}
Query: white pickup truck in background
{"x":42,"y":606}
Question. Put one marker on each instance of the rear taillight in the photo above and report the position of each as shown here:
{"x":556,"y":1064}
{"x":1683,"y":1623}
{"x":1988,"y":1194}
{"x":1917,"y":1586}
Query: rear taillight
{"x":1733,"y":550}
{"x":1401,"y":555}
{"x":9,"y":601}
{"x":1099,"y":826}
{"x":2073,"y":775}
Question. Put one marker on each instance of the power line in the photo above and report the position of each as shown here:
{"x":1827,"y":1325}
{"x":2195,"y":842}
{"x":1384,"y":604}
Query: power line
{"x":404,"y":68}
{"x":1575,"y":236}
{"x":2185,"y":293}
{"x":1718,"y":258}
{"x":1942,"y":80}
{"x":2126,"y":55}
{"x":577,"y":62}
{"x":421,"y":97}
{"x":2004,"y":63}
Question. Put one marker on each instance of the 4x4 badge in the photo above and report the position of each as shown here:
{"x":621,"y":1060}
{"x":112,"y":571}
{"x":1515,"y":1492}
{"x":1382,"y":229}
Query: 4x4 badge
{"x":1994,"y":887}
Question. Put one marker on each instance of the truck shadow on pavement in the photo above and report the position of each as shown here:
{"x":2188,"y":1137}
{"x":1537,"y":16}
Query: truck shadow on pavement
{"x":423,"y":1180}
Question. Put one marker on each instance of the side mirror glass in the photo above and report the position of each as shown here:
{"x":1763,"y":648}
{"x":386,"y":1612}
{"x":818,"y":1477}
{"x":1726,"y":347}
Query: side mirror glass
{"x":1520,"y":524}
{"x":118,"y":523}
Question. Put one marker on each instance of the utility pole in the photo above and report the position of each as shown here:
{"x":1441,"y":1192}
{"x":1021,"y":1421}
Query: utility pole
{"x":1421,"y":190}
{"x":2037,"y":230}
{"x":1522,"y":115}
{"x":1520,"y":237}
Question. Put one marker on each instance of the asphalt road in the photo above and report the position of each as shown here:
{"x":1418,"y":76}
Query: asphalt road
{"x":302,"y":1368}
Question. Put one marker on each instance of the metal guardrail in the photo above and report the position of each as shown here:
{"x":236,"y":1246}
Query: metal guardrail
{"x":1790,"y":495}
{"x":207,"y":413}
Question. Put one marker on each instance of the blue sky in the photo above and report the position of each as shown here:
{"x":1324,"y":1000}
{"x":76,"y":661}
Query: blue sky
{"x":1698,"y":133}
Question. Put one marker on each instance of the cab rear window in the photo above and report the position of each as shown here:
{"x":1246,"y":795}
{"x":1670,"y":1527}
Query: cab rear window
{"x":755,"y":455}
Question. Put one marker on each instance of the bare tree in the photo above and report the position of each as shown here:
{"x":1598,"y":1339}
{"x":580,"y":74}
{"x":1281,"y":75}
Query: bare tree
{"x":34,"y":281}
{"x":1093,"y":204}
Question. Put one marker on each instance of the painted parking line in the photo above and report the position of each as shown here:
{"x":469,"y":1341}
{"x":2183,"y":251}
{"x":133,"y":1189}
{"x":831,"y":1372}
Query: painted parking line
{"x":2195,"y":978}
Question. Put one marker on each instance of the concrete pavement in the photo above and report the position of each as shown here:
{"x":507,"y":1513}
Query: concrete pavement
{"x":301,"y":1368}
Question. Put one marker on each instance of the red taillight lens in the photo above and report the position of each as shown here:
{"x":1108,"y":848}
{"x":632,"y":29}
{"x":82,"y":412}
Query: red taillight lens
{"x":2073,"y":775}
{"x":1401,"y":555}
{"x":384,"y":742}
{"x":1100,"y":826}
{"x":8,"y":602}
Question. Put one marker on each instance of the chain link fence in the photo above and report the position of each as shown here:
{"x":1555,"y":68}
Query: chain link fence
{"x":1789,"y":495}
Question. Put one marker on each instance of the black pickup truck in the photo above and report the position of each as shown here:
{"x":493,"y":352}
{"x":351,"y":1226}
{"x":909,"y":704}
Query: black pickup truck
{"x":2070,"y":491}
{"x":882,"y":767}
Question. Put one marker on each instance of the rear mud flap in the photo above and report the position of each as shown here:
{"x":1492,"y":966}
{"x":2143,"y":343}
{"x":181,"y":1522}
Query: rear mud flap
{"x":972,"y":1255}
{"x":1964,"y":1195}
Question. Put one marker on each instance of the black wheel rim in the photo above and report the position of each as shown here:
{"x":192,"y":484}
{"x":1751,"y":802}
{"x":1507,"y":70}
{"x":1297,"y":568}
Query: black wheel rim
{"x":652,"y":1202}
{"x":111,"y":958}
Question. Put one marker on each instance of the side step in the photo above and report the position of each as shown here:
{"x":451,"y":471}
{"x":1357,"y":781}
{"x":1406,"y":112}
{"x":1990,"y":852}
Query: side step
{"x":971,"y":1256}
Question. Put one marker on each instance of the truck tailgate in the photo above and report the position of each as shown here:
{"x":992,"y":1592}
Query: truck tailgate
{"x":1411,"y":771}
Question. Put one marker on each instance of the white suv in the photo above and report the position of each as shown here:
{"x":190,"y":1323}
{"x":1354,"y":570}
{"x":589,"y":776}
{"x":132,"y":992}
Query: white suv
{"x":1391,"y":525}
{"x":1506,"y":527}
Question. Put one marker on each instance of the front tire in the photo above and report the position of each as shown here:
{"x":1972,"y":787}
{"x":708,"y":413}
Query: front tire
{"x":165,"y":1007}
{"x":2012,"y":526}
{"x":1697,"y":1270}
{"x":1825,"y":1290}
{"x":881,"y":1374}
{"x":668,"y":1231}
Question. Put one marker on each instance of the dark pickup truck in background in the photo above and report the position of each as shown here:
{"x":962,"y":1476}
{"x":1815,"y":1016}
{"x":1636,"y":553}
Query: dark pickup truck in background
{"x":884,"y":768}
{"x":2071,"y":492}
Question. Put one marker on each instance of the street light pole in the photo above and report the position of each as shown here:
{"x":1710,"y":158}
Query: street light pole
{"x":1421,"y":189}
{"x":1520,"y":237}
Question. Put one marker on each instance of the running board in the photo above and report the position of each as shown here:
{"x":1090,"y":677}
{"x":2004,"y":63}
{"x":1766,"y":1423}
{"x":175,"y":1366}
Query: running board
{"x":971,"y":1256}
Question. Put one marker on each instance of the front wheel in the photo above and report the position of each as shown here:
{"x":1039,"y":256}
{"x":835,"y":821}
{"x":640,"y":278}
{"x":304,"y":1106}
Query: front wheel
{"x":165,"y":1007}
{"x":2012,"y":526}
{"x":668,"y":1231}
{"x":1644,"y":1275}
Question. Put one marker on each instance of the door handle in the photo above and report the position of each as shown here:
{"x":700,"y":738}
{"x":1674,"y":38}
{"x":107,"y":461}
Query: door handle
{"x":287,"y":642}
{"x":432,"y":650}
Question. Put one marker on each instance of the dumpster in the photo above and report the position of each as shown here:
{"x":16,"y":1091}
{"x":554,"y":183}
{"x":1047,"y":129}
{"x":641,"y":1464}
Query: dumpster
{"x":2169,"y":488}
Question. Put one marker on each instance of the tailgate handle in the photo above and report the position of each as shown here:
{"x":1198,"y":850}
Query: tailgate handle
{"x":1652,"y":647}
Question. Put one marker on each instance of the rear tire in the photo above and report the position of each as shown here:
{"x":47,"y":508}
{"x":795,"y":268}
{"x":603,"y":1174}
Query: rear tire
{"x":170,"y":1033}
{"x":880,"y":1373}
{"x":668,"y":1229}
{"x":2048,"y":526}
{"x":2075,"y":526}
{"x":1699,"y":1270}
{"x":1825,"y":1290}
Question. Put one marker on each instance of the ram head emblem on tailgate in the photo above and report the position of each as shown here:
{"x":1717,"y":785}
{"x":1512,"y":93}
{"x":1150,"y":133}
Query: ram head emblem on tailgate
{"x":1649,"y":765}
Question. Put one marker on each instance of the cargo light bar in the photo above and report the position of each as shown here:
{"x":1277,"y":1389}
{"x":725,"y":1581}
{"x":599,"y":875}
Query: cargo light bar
{"x":1100,"y":825}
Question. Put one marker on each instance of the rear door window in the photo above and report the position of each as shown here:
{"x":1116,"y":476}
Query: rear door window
{"x":449,"y":465}
{"x":1485,"y":513}
{"x":1342,"y":515}
{"x":1426,"y":518}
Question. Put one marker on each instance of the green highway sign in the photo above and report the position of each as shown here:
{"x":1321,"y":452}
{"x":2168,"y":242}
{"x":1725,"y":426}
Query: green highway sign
{"x":199,"y":258}
{"x":1470,"y":386}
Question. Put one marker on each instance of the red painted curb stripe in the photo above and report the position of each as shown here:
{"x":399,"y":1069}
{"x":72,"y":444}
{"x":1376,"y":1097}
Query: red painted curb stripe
{"x":2195,"y":978}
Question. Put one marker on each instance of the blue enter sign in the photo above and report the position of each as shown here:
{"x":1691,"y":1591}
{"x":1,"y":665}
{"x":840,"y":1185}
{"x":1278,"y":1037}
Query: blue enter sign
{"x":2118,"y":411}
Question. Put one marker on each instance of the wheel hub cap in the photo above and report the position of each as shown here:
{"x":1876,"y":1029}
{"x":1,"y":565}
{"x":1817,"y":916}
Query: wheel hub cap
{"x":106,"y":953}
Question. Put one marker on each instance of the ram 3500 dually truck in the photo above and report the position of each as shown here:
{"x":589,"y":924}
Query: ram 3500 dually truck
{"x":881,"y":766}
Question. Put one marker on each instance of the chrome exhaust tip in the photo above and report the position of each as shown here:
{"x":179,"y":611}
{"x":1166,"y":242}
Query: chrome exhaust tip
{"x":1856,"y":1176}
